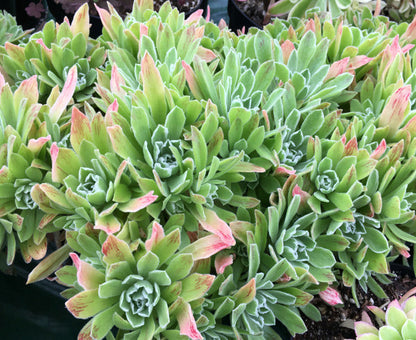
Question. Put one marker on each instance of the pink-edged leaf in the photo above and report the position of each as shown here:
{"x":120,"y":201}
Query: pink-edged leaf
{"x":64,"y":162}
{"x":410,"y":126}
{"x":47,"y":50}
{"x":195,"y":16}
{"x":351,"y":148}
{"x":28,"y":89}
{"x":410,"y":34}
{"x":366,"y":318}
{"x":304,"y":196}
{"x":362,"y":327}
{"x":108,"y":223}
{"x":41,"y":200}
{"x":404,"y":251}
{"x":358,"y":61}
{"x":99,"y":134}
{"x":331,"y":296}
{"x":55,"y":195}
{"x":205,"y":54}
{"x":266,"y":119}
{"x":246,"y":293}
{"x":396,"y":152}
{"x":116,"y":82}
{"x":88,"y":277}
{"x":144,"y":30}
{"x":310,"y":26}
{"x":208,"y":16}
{"x":379,"y":151}
{"x":46,"y":219}
{"x":65,"y":96}
{"x":153,"y":88}
{"x":139,"y":203}
{"x":248,"y":167}
{"x":81,"y":21}
{"x":192,"y":81}
{"x":113,"y":107}
{"x":217,"y":226}
{"x":394,"y":112}
{"x":284,"y":171}
{"x":80,"y":129}
{"x":17,"y":53}
{"x":287,"y":48}
{"x":377,"y":312}
{"x":205,"y":247}
{"x":87,"y":303}
{"x":157,"y":235}
{"x":222,"y":261}
{"x":240,"y":228}
{"x":337,"y":68}
{"x":121,"y":144}
{"x":85,"y":333}
{"x":120,"y":172}
{"x":2,"y":81}
{"x":116,"y":250}
{"x":32,"y":250}
{"x":35,"y":145}
{"x":106,"y":20}
{"x":195,"y":286}
{"x":186,"y":320}
{"x":222,"y":24}
{"x":167,"y":246}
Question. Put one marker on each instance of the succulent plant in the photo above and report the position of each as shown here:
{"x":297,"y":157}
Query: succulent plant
{"x":140,"y":288}
{"x":397,"y":321}
{"x":51,"y":53}
{"x":10,"y":30}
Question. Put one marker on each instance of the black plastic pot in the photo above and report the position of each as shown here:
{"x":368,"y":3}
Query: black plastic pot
{"x":35,"y":311}
{"x":96,"y":26}
{"x":238,"y":19}
{"x":59,"y":14}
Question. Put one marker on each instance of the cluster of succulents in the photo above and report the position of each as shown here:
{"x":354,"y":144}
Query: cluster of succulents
{"x":397,"y":321}
{"x":207,"y":184}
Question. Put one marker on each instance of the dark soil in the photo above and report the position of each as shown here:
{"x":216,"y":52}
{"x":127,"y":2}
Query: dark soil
{"x":337,"y":320}
{"x":254,"y":9}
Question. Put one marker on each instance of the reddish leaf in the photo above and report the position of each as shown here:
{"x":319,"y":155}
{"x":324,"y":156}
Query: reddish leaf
{"x":287,"y":48}
{"x":87,"y":304}
{"x":139,"y":203}
{"x":80,"y":129}
{"x":157,"y":235}
{"x":116,"y":82}
{"x":337,"y":68}
{"x":88,"y":277}
{"x":246,"y":293}
{"x":379,"y":151}
{"x":35,"y":145}
{"x":394,"y":112}
{"x":64,"y":163}
{"x":222,"y":261}
{"x":81,"y":22}
{"x":331,"y":296}
{"x":186,"y":320}
{"x":65,"y":97}
{"x":116,"y":250}
{"x":108,"y":223}
{"x":217,"y":226}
